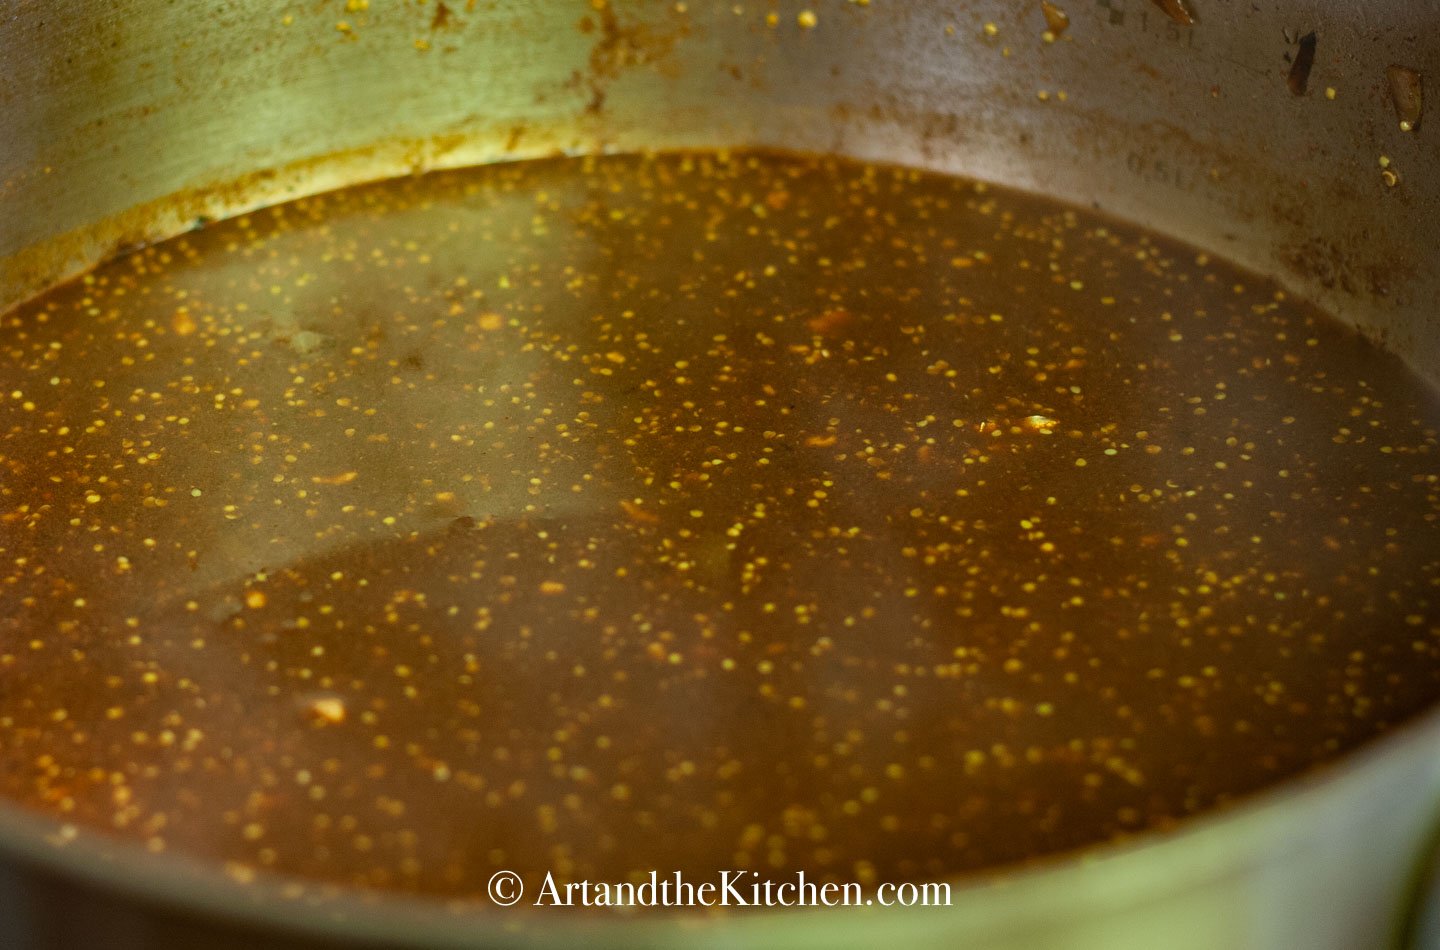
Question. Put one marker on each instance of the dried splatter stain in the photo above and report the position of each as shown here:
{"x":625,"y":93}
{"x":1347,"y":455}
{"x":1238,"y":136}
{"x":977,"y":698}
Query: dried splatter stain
{"x":1407,"y":96}
{"x":1177,"y":10}
{"x":1298,"y":78}
{"x":1057,"y":21}
{"x":621,"y":46}
{"x":601,"y":515}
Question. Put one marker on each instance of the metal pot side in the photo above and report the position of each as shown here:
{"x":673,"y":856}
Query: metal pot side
{"x":127,"y":122}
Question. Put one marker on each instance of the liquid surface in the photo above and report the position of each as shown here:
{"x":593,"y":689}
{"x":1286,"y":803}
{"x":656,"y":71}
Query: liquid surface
{"x":691,"y":513}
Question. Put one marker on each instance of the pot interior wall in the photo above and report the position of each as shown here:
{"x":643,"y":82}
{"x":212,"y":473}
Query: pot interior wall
{"x":129,"y":122}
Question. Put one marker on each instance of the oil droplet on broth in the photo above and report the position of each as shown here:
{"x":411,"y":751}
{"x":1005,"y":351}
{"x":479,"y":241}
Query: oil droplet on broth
{"x":323,"y":709}
{"x":445,"y":525}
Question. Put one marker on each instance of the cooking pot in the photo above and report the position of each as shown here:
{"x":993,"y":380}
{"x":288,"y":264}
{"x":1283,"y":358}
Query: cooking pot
{"x":1269,"y":133}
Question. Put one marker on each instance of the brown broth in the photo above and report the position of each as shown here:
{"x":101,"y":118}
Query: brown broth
{"x":692,"y":513}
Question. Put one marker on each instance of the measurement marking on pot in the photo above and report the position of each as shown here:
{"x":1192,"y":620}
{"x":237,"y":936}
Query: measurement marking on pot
{"x":1166,"y":171}
{"x":1181,"y":176}
{"x":1148,"y":20}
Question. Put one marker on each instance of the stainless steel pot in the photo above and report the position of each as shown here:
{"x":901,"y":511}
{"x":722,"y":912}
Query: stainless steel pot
{"x":125,"y":122}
